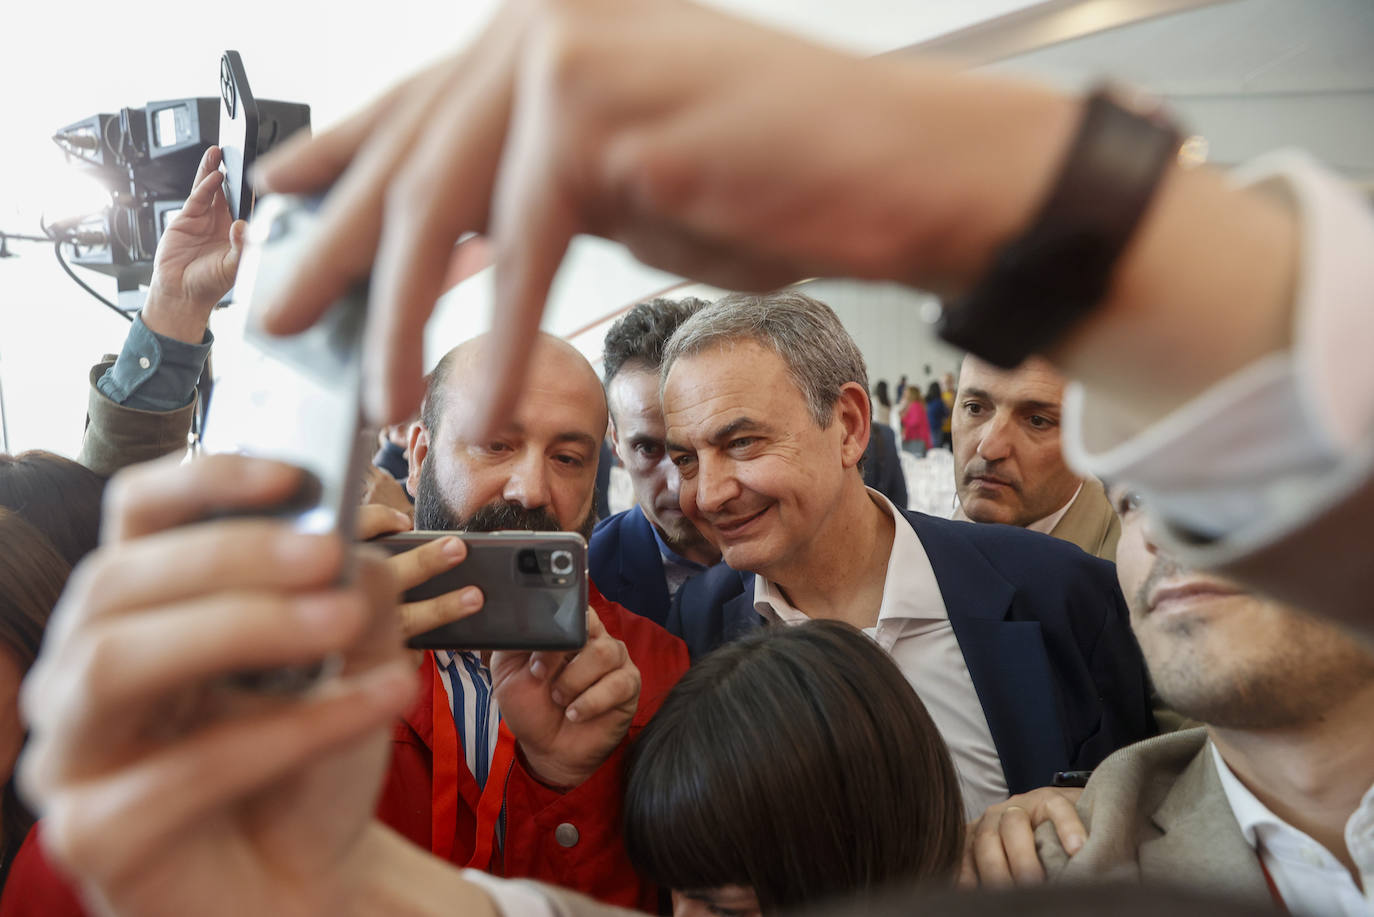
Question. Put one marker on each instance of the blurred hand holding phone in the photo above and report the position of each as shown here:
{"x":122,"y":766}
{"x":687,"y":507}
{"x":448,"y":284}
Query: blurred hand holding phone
{"x":294,"y":398}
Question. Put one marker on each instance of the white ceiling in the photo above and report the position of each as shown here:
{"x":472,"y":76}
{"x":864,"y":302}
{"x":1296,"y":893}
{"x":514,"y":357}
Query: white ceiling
{"x":1249,"y":75}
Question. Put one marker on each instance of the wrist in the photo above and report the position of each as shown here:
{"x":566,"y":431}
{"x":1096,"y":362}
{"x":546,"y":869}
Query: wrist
{"x":176,"y":317}
{"x":548,"y":771}
{"x":1206,"y":288}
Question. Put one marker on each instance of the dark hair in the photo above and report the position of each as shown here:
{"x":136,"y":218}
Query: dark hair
{"x":798,"y":762}
{"x":641,"y":334}
{"x":57,"y":496}
{"x":32,"y":575}
{"x":880,"y":392}
{"x":933,"y":392}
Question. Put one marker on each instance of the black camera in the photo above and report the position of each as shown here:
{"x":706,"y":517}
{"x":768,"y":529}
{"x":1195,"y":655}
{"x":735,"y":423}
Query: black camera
{"x":147,"y":158}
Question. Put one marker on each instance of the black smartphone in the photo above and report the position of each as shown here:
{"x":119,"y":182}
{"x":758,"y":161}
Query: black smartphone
{"x":534,"y":585}
{"x":238,"y":133}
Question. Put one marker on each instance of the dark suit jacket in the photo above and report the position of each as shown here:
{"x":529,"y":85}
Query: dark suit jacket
{"x":883,"y":465}
{"x":1043,"y":628}
{"x":626,"y":567}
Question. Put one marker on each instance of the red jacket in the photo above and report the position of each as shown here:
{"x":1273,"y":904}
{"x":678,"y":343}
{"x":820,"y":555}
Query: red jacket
{"x":596,"y":864}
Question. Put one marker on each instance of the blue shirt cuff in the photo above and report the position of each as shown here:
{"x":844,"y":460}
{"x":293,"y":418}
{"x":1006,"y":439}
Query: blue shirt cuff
{"x":155,"y":372}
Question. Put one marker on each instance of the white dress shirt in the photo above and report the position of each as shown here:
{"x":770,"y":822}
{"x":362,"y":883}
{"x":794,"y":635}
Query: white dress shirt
{"x":1311,"y":881}
{"x":913,"y":628}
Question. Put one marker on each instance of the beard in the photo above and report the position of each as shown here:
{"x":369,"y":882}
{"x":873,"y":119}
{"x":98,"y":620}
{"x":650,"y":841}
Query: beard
{"x":433,"y":514}
{"x":1282,"y":670}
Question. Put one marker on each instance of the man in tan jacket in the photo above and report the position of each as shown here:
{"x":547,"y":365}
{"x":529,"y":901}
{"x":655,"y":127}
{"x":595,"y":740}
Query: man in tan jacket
{"x":1272,"y":799}
{"x":1008,"y":467}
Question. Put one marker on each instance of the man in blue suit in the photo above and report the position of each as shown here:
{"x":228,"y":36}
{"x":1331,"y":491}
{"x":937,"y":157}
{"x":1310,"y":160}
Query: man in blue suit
{"x":1019,"y":644}
{"x":640,"y":557}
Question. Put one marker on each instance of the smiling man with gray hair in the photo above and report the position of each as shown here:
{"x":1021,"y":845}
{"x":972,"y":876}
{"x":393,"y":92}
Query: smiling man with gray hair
{"x":1019,"y":645}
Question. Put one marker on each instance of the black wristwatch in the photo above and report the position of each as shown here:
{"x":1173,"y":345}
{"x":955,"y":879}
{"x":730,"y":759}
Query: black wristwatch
{"x":1058,"y":270}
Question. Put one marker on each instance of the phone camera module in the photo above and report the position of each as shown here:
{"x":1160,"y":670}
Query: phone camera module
{"x":527,"y":561}
{"x":562,"y":563}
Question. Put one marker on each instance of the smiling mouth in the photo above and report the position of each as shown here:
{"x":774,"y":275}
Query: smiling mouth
{"x":732,"y":528}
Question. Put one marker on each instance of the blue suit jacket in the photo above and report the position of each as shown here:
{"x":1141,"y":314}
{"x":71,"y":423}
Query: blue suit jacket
{"x":883,"y":465}
{"x":626,"y":567}
{"x":1043,"y":628}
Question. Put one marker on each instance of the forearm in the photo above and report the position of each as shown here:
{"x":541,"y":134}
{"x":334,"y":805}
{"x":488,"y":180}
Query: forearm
{"x":1204,"y":287}
{"x":398,"y":879}
{"x":180,"y":321}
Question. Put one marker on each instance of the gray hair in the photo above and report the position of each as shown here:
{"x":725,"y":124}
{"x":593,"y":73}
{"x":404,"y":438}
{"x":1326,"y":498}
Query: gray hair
{"x":820,"y":355}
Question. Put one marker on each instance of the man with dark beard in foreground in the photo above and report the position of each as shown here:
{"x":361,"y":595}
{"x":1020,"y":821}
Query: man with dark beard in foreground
{"x":571,"y":715}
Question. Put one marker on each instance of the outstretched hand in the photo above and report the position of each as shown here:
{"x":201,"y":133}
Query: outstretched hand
{"x":746,"y":163}
{"x":197,"y":258}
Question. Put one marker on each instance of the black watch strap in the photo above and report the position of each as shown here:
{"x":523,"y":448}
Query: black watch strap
{"x":1058,"y":270}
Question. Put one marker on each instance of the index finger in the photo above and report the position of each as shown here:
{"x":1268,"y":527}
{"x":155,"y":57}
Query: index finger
{"x":1018,"y":841}
{"x":1068,"y":824}
{"x":159,"y":495}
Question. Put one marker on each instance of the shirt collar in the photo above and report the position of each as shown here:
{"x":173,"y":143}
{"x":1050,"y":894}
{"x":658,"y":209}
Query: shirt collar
{"x":910,"y":591}
{"x":1260,"y":826}
{"x":1250,"y":813}
{"x":1044,"y":526}
{"x":668,"y":553}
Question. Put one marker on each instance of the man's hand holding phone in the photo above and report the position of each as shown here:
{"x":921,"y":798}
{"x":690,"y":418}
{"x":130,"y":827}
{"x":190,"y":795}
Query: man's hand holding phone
{"x":568,"y":711}
{"x":411,"y":568}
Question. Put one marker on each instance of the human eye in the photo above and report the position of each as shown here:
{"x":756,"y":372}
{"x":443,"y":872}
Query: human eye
{"x":742,"y":442}
{"x":570,"y":461}
{"x":1128,"y":502}
{"x":721,"y":911}
{"x":1041,"y":422}
{"x":651,"y":451}
{"x":973,"y":408}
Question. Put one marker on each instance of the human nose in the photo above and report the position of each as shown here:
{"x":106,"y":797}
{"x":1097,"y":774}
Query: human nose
{"x":1147,"y":532}
{"x":716,"y":485}
{"x":528,"y":484}
{"x":994,"y":438}
{"x":672,"y":477}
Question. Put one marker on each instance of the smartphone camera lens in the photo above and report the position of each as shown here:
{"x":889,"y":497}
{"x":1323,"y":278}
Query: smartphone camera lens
{"x":527,"y":562}
{"x":562,"y":563}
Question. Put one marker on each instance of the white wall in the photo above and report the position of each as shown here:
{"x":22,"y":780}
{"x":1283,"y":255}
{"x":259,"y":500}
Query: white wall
{"x":886,"y":322}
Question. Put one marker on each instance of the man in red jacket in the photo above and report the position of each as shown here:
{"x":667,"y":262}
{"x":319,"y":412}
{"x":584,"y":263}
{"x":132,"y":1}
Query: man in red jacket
{"x":527,"y":783}
{"x":512,"y":763}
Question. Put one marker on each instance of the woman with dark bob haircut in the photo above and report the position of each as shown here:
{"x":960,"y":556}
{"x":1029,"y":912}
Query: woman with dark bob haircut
{"x":32,"y":574}
{"x":57,"y":496}
{"x":788,"y":767}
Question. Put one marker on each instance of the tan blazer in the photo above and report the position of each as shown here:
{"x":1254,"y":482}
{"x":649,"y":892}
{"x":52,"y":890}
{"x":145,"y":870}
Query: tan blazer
{"x":117,"y":435}
{"x":1156,"y":813}
{"x":1090,"y":522}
